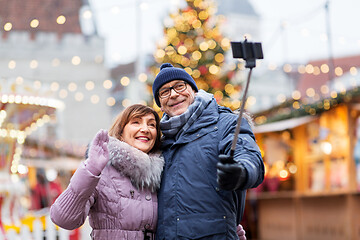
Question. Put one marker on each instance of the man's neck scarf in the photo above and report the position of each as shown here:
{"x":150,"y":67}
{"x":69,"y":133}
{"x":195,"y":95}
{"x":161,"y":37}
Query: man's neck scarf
{"x":173,"y":126}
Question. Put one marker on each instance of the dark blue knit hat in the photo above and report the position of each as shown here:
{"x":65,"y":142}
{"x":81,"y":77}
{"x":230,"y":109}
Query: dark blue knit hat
{"x":170,"y":73}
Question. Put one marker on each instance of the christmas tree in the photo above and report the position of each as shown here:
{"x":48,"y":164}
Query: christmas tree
{"x":193,"y":41}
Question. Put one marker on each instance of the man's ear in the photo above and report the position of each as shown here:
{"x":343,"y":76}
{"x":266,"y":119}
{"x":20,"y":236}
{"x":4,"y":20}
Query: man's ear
{"x":161,"y":109}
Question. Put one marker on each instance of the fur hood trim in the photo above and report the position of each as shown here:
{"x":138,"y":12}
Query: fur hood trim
{"x":144,"y":170}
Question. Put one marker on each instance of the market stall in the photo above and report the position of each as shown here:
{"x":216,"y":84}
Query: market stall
{"x":312,"y":184}
{"x":22,"y":111}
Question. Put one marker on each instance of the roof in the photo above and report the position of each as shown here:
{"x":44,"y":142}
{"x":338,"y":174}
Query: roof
{"x":20,"y":13}
{"x":316,"y":81}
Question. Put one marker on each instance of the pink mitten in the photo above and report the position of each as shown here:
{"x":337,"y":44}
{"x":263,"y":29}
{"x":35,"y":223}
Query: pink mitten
{"x":98,"y":153}
{"x":240,"y":232}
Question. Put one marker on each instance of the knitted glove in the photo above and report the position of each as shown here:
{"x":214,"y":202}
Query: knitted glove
{"x":240,"y":232}
{"x":98,"y":153}
{"x":231,"y":175}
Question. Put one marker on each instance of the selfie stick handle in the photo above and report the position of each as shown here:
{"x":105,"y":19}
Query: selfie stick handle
{"x":238,"y":125}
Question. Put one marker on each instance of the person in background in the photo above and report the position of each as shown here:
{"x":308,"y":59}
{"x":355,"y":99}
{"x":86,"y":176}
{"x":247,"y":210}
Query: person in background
{"x":116,"y":185}
{"x":44,"y":192}
{"x":202,"y":193}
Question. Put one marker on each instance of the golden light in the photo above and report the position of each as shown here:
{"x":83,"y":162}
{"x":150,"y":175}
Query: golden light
{"x":225,"y":43}
{"x":301,"y":69}
{"x":196,"y":24}
{"x":196,"y":55}
{"x":203,"y":46}
{"x":281,"y":98}
{"x":160,"y":53}
{"x":34,"y":23}
{"x":110,"y":101}
{"x":296,"y":105}
{"x":63,"y":93}
{"x":95,"y":99}
{"x":316,"y":70}
{"x":213,"y":69}
{"x":34,"y":64}
{"x":203,"y":15}
{"x":79,"y":96}
{"x":272,"y":66}
{"x":219,"y":57}
{"x":287,"y":68}
{"x":107,"y":84}
{"x":236,"y":104}
{"x":19,"y":80}
{"x":251,"y":100}
{"x":229,"y":88}
{"x":310,"y":92}
{"x":333,"y":94}
{"x":89,"y":85}
{"x":196,"y":73}
{"x":54,"y":86}
{"x":37,"y":84}
{"x":324,"y":68}
{"x":125,"y":81}
{"x":76,"y":60}
{"x":87,"y":14}
{"x":283,"y":174}
{"x":188,"y":70}
{"x":61,"y":19}
{"x":55,"y":62}
{"x":338,"y":71}
{"x":353,"y":71}
{"x":292,"y":168}
{"x":324,"y":89}
{"x":171,"y":33}
{"x":142,"y":77}
{"x":7,"y":26}
{"x":296,"y":95}
{"x":11,"y":64}
{"x":309,"y":69}
{"x":326,"y":147}
{"x":212,"y":44}
{"x":182,"y":50}
{"x":72,"y":87}
{"x":126,"y":102}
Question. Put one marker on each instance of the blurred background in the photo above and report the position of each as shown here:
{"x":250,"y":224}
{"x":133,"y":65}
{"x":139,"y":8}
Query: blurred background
{"x":67,"y":68}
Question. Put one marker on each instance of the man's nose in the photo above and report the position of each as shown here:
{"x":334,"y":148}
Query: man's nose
{"x":173,"y":91}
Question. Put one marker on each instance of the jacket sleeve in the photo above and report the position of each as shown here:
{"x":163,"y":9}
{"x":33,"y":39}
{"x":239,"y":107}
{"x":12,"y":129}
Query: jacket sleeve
{"x":247,"y":151}
{"x":71,"y":208}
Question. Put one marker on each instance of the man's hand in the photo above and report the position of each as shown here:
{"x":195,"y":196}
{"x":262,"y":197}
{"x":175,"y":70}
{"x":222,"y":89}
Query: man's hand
{"x":231,"y":175}
{"x":98,"y":153}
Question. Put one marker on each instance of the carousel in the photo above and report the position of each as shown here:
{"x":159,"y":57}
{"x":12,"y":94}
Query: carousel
{"x":23,"y":110}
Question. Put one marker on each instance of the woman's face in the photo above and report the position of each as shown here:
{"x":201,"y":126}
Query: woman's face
{"x":140,"y":132}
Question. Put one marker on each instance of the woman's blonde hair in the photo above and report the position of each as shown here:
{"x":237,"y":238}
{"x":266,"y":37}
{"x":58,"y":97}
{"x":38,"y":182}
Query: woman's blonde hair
{"x":133,"y":111}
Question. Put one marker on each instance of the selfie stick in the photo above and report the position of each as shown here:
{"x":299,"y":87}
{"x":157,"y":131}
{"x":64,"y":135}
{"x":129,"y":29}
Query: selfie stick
{"x":249,"y":52}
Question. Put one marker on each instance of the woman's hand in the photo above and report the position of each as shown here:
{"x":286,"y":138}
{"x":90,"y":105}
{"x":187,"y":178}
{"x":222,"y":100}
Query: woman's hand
{"x":98,"y":154}
{"x":240,"y":232}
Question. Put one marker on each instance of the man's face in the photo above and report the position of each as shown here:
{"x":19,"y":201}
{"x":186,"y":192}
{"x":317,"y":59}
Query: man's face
{"x":178,"y":102}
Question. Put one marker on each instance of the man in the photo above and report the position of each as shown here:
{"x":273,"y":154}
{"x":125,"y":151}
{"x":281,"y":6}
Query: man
{"x":201,"y":197}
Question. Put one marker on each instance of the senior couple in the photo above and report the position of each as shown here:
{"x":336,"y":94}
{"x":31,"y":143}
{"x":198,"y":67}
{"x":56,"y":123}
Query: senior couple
{"x":135,"y":186}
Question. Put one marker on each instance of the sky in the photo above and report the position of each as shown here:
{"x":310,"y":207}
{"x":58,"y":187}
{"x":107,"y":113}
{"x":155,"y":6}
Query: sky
{"x":290,"y":31}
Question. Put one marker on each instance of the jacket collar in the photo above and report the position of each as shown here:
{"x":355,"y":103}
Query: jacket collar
{"x":144,"y":170}
{"x":203,"y":125}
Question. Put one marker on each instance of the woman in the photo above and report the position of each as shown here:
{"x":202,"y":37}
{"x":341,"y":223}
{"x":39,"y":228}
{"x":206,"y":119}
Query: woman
{"x":116,"y":186}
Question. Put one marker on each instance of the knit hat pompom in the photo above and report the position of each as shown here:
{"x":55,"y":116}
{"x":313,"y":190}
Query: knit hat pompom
{"x":170,"y":73}
{"x":165,"y":65}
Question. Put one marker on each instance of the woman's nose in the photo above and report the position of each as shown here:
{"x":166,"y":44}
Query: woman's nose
{"x":144,"y":128}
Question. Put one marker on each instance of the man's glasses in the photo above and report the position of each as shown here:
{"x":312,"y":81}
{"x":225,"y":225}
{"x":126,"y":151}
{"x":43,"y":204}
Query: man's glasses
{"x":179,"y":87}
